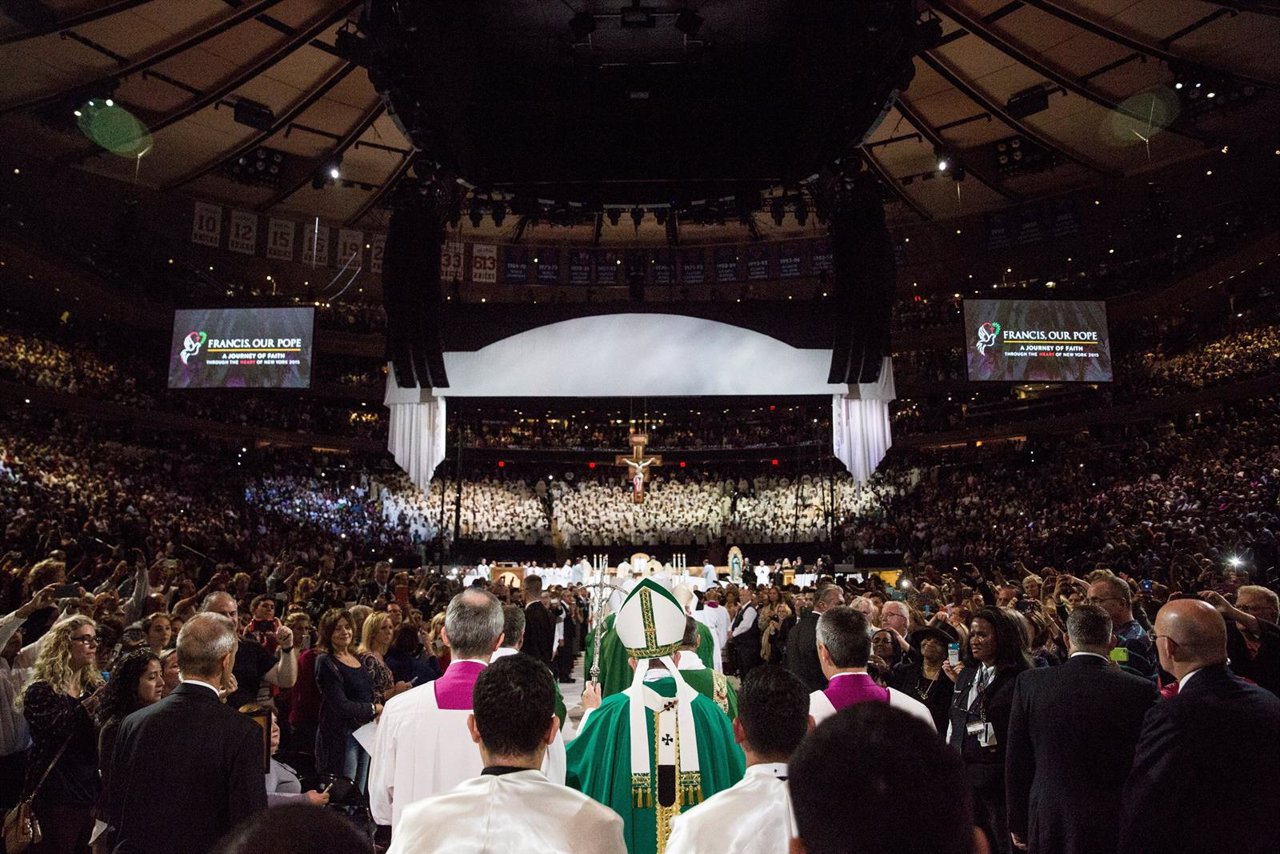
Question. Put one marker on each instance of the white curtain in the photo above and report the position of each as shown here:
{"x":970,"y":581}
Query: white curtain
{"x":417,"y":432}
{"x":860,"y":424}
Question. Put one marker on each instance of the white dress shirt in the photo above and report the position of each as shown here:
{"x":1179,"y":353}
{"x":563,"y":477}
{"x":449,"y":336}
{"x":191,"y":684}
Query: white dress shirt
{"x":517,"y":813}
{"x":751,"y":817}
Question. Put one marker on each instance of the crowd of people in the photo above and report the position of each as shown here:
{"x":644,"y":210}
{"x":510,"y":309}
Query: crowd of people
{"x":808,"y":425}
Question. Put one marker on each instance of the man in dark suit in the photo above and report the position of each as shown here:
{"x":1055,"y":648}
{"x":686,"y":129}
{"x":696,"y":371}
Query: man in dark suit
{"x":802,"y":643}
{"x":1204,"y":775}
{"x":1072,"y":734}
{"x":379,"y":586}
{"x":191,"y":752}
{"x":539,"y":624}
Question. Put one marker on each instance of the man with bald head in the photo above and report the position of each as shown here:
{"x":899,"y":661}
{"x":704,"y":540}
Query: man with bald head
{"x":1204,"y":775}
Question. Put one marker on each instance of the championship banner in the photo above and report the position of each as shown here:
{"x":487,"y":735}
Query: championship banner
{"x":377,"y":246}
{"x":820,"y":258}
{"x":350,"y":249}
{"x":206,"y":224}
{"x":581,"y":266}
{"x":692,"y":267}
{"x":727,"y":264}
{"x":452,"y":256}
{"x":758,"y":262}
{"x":280,"y":239}
{"x":484,"y":263}
{"x":790,"y":261}
{"x":315,"y":245}
{"x":244,"y":233}
{"x":515,"y":265}
{"x":664,"y":267}
{"x":607,"y":267}
{"x":547,"y":261}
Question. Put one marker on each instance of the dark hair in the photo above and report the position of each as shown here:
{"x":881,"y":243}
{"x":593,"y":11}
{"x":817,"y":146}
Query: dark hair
{"x":1089,"y":625}
{"x":329,"y":622}
{"x":1011,"y":642}
{"x":532,"y":584}
{"x":513,"y":701}
{"x":871,"y":760}
{"x":843,"y":631}
{"x":295,"y":829}
{"x":406,"y":641}
{"x":120,"y":697}
{"x":512,"y":625}
{"x":773,"y":708}
{"x":691,"y":639}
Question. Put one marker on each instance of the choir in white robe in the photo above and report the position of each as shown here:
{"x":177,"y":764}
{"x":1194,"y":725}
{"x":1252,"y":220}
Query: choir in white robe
{"x":521,"y":812}
{"x":751,"y":817}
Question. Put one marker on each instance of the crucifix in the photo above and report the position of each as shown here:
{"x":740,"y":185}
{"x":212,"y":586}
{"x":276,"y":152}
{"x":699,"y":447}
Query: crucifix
{"x":638,"y":465}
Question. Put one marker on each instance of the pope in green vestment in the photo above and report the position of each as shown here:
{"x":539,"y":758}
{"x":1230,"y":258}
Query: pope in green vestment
{"x":658,"y":747}
{"x":615,"y":673}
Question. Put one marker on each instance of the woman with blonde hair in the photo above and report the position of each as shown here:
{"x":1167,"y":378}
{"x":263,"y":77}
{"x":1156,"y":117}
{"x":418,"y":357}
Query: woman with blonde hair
{"x":59,"y":704}
{"x":375,"y":640}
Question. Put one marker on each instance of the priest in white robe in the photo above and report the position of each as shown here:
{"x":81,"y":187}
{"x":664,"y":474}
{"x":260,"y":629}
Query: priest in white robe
{"x":510,"y":807}
{"x":754,"y":815}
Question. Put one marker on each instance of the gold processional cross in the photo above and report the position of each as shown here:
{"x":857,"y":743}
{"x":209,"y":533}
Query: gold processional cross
{"x":638,"y":465}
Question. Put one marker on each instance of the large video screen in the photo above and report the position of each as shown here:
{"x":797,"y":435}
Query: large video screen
{"x":1045,"y":341}
{"x":241,"y":348}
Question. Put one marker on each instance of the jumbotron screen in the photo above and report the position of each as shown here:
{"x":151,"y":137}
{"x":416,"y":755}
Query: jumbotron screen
{"x":1044,"y":341}
{"x":241,"y":348}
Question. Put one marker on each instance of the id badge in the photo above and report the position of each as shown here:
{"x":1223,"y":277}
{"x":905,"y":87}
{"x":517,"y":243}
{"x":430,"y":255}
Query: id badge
{"x":986,"y":735}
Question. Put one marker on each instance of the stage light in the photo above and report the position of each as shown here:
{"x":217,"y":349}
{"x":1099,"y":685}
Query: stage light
{"x":637,"y":216}
{"x":1178,"y":85}
{"x":777,"y":210}
{"x":499,"y":213}
{"x":335,"y":172}
{"x":77,"y":113}
{"x":111,"y":103}
{"x":689,"y":22}
{"x":475,"y":213}
{"x":943,"y":163}
{"x":614,"y":215}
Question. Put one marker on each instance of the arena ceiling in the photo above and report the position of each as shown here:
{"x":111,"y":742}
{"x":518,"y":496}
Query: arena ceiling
{"x":1107,"y":70}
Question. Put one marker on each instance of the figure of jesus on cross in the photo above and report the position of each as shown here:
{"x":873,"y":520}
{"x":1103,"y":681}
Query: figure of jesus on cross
{"x":638,"y":465}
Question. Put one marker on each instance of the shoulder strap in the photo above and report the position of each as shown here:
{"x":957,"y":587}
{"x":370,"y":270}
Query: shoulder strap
{"x":45,"y":775}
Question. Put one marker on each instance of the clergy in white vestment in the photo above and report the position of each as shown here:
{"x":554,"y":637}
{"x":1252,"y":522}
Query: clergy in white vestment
{"x":753,"y":816}
{"x":843,"y":651}
{"x":423,"y":746}
{"x":510,"y":807}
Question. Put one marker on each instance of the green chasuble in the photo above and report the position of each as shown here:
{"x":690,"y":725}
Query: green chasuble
{"x":715,"y":687}
{"x":599,"y":761}
{"x":615,"y":672}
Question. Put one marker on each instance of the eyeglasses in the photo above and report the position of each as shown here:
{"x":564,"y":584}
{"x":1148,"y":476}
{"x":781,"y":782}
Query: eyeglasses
{"x":87,"y":640}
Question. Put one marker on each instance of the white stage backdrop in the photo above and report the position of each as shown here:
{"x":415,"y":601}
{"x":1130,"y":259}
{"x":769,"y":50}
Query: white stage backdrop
{"x":637,"y":355}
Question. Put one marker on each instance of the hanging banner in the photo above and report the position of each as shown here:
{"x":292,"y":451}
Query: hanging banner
{"x":692,"y":267}
{"x":315,"y":245}
{"x":378,"y":245}
{"x":350,"y":249}
{"x":664,"y":267}
{"x":790,"y":261}
{"x":484,"y":263}
{"x":581,"y":266}
{"x":759,"y":265}
{"x":608,"y":266}
{"x":547,"y":262}
{"x":280,"y":239}
{"x":206,"y":225}
{"x":452,"y":254}
{"x":820,"y":260}
{"x":727,"y":264}
{"x":515,"y":267}
{"x":244,"y":233}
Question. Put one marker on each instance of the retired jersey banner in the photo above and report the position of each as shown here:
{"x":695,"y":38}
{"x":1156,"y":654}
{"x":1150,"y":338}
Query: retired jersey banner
{"x":377,"y":246}
{"x":758,"y":261}
{"x":790,"y":261}
{"x":547,"y":262}
{"x":280,"y":234}
{"x":315,"y":245}
{"x":452,"y":257}
{"x":206,"y":225}
{"x":484,"y":263}
{"x":581,"y":266}
{"x":244,"y":233}
{"x":350,"y":249}
{"x":515,"y":265}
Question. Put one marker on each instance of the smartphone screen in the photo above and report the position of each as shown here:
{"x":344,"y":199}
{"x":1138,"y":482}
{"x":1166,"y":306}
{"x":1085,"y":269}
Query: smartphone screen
{"x":66,"y":591}
{"x":953,"y":654}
